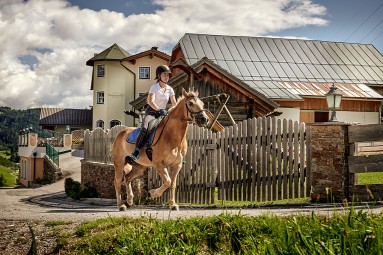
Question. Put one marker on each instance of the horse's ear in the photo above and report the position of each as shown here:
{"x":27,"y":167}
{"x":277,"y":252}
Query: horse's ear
{"x":184,"y":93}
{"x":196,"y":93}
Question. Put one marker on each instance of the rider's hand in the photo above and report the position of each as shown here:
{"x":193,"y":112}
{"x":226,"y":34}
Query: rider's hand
{"x":162,"y":112}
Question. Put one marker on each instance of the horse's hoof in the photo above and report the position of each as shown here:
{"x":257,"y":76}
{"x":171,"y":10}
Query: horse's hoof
{"x":175,"y":208}
{"x":122,"y":208}
{"x":130,"y":205}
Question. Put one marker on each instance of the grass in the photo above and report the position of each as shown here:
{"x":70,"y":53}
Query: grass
{"x":370,"y":178}
{"x":343,"y":233}
{"x":9,"y":175}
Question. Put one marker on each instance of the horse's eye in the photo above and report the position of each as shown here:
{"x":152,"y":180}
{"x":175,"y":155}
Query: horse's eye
{"x":191,"y":104}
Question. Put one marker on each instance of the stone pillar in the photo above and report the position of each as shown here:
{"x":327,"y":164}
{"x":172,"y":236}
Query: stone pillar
{"x":329,"y":151}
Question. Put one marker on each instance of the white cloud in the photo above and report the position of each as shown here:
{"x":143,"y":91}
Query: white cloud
{"x":70,"y":36}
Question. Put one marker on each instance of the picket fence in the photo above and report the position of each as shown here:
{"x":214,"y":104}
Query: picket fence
{"x":259,"y":159}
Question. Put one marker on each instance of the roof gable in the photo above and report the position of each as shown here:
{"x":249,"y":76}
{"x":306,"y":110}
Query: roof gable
{"x":262,"y":61}
{"x":152,"y":52}
{"x":112,"y":53}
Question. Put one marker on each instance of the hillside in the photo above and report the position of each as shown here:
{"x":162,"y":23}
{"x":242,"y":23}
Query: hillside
{"x":12,"y":121}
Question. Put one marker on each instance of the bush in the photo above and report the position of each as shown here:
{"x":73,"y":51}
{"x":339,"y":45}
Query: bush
{"x":2,"y":180}
{"x":73,"y":189}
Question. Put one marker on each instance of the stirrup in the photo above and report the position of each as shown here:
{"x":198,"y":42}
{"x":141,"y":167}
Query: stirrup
{"x":135,"y":154}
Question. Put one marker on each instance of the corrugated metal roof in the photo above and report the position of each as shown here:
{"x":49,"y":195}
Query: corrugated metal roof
{"x":320,"y":89}
{"x":114,"y":52}
{"x":60,"y":116}
{"x":256,"y":60}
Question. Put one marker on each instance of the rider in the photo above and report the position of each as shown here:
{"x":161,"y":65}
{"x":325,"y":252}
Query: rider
{"x":158,"y":98}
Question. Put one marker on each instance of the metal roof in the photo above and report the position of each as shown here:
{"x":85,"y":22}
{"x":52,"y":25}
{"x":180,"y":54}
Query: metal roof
{"x":320,"y":89}
{"x":261,"y":61}
{"x":61,"y":116}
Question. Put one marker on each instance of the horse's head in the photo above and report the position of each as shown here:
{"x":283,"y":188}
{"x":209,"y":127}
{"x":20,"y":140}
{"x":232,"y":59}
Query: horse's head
{"x":195,"y":109}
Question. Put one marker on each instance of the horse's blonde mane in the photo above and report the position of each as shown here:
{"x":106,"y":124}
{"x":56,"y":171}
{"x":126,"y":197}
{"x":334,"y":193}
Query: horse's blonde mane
{"x":190,"y":93}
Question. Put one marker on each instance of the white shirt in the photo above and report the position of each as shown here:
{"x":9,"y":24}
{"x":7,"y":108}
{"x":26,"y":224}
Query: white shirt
{"x":161,"y":98}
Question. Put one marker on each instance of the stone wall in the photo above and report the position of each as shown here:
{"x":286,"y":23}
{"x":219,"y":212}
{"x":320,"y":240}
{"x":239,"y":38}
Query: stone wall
{"x":101,"y":177}
{"x":329,"y":151}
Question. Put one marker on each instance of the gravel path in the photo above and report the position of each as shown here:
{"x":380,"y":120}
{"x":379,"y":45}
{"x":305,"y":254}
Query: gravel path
{"x":50,"y":203}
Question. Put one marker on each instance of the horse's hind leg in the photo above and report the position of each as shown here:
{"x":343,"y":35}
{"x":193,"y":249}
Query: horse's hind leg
{"x":136,"y":170}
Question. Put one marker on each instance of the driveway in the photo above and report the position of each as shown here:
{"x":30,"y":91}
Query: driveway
{"x":49,"y":203}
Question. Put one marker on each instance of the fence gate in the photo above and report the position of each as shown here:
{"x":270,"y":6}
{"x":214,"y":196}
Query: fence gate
{"x":259,"y":159}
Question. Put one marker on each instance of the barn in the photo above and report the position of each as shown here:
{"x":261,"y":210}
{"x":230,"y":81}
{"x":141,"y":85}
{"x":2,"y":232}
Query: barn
{"x":278,"y":76}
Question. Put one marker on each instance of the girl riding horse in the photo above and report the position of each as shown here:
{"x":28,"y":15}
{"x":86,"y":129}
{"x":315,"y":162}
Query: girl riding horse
{"x":169,"y":148}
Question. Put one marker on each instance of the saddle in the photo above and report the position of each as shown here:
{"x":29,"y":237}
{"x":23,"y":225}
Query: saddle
{"x":149,"y":137}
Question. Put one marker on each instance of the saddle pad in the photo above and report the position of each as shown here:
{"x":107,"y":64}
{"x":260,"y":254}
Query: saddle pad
{"x":134,"y":134}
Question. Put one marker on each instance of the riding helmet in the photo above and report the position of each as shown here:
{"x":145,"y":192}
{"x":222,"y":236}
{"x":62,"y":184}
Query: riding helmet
{"x":162,"y":69}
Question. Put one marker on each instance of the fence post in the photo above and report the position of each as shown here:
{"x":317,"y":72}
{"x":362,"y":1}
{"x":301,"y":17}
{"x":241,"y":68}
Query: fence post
{"x":329,"y":170}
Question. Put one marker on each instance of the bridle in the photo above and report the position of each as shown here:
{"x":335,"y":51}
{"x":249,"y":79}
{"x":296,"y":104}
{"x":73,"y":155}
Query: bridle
{"x":192,"y":114}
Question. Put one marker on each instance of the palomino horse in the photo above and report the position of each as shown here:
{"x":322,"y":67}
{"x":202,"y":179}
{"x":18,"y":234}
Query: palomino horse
{"x":169,"y":148}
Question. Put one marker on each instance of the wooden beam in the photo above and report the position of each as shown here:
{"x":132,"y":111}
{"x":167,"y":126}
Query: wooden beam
{"x":365,"y":133}
{"x":363,"y":164}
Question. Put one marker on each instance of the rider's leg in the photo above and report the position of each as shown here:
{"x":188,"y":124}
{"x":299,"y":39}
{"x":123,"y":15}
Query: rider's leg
{"x":135,"y":154}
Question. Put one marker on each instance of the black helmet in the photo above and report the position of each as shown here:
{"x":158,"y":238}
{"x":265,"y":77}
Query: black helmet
{"x":162,"y":69}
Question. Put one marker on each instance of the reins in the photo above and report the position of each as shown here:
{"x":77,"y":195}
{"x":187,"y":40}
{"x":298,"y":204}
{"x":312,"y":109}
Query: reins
{"x":168,"y":117}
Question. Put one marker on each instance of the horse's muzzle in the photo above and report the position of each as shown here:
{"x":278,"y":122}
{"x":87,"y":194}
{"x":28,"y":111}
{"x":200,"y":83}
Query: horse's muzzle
{"x":201,"y":119}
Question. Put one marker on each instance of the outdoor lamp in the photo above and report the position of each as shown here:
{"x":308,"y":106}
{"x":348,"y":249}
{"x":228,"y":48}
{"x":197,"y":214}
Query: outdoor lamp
{"x":67,"y":128}
{"x":333,"y":101}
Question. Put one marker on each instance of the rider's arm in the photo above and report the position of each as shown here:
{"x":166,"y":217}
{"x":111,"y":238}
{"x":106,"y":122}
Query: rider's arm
{"x":150,"y":101}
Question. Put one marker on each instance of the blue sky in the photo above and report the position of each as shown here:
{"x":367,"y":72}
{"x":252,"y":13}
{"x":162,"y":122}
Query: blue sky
{"x":45,"y":43}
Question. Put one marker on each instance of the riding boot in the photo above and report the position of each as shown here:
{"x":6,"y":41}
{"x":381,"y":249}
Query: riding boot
{"x":135,"y":154}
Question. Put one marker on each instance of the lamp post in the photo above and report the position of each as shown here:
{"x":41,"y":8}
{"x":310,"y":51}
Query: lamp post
{"x":67,"y":128}
{"x":333,"y":101}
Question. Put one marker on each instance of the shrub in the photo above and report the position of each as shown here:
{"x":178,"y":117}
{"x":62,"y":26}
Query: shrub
{"x":73,"y":189}
{"x":2,"y":180}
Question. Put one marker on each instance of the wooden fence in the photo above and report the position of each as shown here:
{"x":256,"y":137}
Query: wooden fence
{"x":366,"y":155}
{"x":259,"y":159}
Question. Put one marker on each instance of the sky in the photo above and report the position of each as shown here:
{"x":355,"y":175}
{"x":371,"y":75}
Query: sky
{"x":46,"y":43}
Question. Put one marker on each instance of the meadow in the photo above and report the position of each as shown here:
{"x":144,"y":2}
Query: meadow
{"x":353,"y":232}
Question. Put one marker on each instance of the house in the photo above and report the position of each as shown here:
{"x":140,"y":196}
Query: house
{"x":60,"y":120}
{"x":290,"y":76}
{"x":118,"y":78}
{"x":39,"y":156}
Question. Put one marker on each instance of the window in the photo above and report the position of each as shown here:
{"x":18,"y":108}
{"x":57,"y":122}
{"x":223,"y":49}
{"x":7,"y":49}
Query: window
{"x":100,"y":70}
{"x":100,"y":124}
{"x":144,"y":72}
{"x":114,"y":123}
{"x":100,"y":97}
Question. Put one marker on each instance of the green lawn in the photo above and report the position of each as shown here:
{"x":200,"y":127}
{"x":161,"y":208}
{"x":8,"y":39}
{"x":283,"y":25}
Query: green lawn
{"x":9,"y":175}
{"x":370,"y":178}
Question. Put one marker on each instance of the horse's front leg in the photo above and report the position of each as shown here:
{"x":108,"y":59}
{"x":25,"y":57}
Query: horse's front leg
{"x":118,"y":176}
{"x":163,"y":172}
{"x":174,"y":170}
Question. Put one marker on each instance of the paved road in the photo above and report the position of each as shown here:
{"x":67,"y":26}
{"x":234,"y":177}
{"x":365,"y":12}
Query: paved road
{"x":50,"y":203}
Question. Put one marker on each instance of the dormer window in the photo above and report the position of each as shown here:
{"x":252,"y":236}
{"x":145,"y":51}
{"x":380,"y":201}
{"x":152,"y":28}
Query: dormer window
{"x":144,"y":72}
{"x":100,"y":70}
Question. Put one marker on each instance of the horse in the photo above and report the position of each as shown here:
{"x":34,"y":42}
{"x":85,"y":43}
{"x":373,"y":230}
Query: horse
{"x":168,"y":150}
